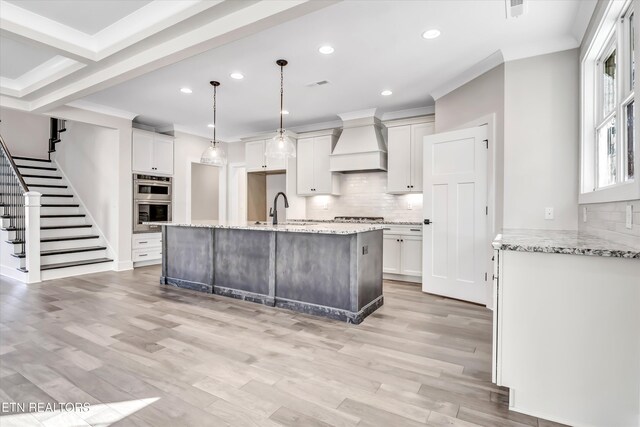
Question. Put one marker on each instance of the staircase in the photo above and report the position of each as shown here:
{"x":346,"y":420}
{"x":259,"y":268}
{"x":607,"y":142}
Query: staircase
{"x":69,"y":243}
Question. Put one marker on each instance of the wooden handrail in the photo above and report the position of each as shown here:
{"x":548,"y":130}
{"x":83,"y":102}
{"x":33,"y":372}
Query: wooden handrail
{"x":14,"y":168}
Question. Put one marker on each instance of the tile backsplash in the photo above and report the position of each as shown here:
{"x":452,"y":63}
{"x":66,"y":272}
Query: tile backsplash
{"x":608,"y":220}
{"x":364,"y":194}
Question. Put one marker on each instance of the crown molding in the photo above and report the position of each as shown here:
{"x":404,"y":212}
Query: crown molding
{"x":471,"y":73}
{"x":411,"y":112}
{"x":102,"y":109}
{"x":40,"y":76}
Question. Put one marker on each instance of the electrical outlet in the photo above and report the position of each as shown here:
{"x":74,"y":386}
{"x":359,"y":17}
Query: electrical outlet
{"x":629,"y":217}
{"x":410,"y":205}
{"x":548,"y":213}
{"x":584,"y":214}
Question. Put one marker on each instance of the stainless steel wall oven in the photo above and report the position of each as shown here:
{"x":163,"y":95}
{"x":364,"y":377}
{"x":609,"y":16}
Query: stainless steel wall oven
{"x":151,"y":201}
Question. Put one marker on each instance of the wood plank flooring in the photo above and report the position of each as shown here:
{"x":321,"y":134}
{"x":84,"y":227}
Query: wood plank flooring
{"x":142,"y":354}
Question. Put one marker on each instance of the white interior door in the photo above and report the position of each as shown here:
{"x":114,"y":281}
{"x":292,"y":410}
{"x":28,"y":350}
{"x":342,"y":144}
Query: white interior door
{"x":455,"y":242}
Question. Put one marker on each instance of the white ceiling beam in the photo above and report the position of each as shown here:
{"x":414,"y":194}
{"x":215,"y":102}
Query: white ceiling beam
{"x":255,"y":17}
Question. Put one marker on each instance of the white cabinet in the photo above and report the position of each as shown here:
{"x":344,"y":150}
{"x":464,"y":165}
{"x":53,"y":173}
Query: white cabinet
{"x":405,"y":151}
{"x":146,"y":248}
{"x":256,"y":160}
{"x":152,"y":152}
{"x":313,"y":174}
{"x":402,"y":252}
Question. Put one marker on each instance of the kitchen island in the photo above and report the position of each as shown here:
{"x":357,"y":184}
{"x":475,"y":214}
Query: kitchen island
{"x":331,"y":270}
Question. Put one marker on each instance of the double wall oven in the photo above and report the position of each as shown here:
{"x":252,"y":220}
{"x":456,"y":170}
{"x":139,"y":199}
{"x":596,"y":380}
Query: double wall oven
{"x":151,"y":201}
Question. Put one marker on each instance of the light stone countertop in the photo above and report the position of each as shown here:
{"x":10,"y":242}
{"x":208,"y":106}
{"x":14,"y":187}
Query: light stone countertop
{"x":356,"y":221}
{"x":563,"y":242}
{"x":289,"y":227}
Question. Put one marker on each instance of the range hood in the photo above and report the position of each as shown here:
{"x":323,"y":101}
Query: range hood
{"x":361,"y":146}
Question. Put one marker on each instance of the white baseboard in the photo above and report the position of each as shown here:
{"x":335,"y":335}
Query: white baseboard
{"x":123,"y":265}
{"x":146,"y":263}
{"x":402,"y":278}
{"x":13,"y":273}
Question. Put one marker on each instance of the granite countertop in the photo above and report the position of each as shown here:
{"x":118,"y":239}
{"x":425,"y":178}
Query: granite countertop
{"x":357,"y":221}
{"x":289,"y":227}
{"x":563,"y":242}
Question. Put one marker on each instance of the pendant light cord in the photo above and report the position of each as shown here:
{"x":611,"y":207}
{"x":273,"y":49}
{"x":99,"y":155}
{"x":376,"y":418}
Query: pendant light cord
{"x":214,"y":115}
{"x":281,"y":94}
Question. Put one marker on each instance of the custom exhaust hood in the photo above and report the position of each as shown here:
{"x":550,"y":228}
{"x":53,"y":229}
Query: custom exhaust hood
{"x":361,"y":146}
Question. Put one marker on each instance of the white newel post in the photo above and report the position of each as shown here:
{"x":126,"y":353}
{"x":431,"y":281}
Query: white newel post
{"x":32,"y":235}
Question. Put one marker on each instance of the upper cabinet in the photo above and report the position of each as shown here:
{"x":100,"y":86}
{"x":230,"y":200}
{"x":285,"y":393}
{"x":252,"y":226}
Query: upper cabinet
{"x":152,"y":153}
{"x":257,"y":161}
{"x":405,"y":152}
{"x":313,"y":172}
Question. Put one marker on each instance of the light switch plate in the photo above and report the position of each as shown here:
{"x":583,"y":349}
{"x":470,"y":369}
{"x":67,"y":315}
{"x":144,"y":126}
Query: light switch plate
{"x":548,"y":213}
{"x":629,"y":217}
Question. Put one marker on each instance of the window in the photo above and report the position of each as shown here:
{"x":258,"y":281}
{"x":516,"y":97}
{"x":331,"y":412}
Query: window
{"x":608,"y":147}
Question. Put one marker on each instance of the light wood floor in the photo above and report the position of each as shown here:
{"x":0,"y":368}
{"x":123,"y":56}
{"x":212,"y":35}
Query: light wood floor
{"x":148,"y":355}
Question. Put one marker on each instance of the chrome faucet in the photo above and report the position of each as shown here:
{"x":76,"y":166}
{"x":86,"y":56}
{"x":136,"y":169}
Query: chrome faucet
{"x":273,"y":212}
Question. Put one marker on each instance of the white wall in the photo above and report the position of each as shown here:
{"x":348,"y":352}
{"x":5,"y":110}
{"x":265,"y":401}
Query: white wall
{"x":541,"y":141}
{"x":275,"y":184}
{"x":25,"y":134}
{"x":205,"y":190}
{"x":478,"y":99}
{"x":188,"y":150}
{"x":87,"y":157}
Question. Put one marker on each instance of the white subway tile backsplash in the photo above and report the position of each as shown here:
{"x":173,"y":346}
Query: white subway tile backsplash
{"x":364,"y":194}
{"x":608,"y":220}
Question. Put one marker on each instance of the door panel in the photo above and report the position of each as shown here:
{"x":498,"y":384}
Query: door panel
{"x":411,"y":255}
{"x":391,"y":254}
{"x":322,"y":176}
{"x":142,"y":152}
{"x":418,"y":132}
{"x":163,"y":155}
{"x":399,"y":159}
{"x":455,"y":193}
{"x":304,"y":159}
{"x":254,"y":156}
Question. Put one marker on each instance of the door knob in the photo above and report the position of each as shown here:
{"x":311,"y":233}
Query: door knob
{"x":427,"y":221}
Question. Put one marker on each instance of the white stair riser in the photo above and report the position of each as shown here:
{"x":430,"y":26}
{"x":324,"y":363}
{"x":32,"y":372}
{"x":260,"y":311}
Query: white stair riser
{"x":79,"y":256}
{"x":75,"y":271}
{"x":57,"y":210}
{"x":27,"y":171}
{"x":58,"y":200}
{"x":47,"y":190}
{"x":47,"y":222}
{"x":48,"y":181}
{"x":20,"y":162}
{"x":67,"y":232}
{"x":66,"y":244}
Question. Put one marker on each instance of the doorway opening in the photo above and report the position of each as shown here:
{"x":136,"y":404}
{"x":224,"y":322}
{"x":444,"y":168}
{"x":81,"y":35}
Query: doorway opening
{"x":205,"y":192}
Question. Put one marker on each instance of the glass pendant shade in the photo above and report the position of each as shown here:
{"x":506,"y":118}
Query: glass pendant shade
{"x":280,"y":146}
{"x":214,"y":155}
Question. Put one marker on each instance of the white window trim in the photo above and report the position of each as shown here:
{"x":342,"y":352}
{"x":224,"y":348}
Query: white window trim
{"x":591,"y":114}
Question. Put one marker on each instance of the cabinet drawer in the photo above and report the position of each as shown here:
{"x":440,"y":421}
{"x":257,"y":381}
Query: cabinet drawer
{"x":405,"y":230}
{"x":147,"y":240}
{"x":146,"y":255}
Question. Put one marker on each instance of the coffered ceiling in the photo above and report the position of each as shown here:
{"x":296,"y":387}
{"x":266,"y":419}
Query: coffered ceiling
{"x":131,"y":58}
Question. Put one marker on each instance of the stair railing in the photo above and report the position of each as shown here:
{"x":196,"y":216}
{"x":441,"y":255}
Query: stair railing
{"x":21,"y":211}
{"x":56,"y":127}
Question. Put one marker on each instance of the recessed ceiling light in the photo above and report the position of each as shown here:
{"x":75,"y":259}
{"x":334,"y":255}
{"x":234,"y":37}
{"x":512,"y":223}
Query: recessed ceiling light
{"x":386,"y":93}
{"x":236,"y":76}
{"x":210,"y":125}
{"x":326,"y":49}
{"x":285,"y":112}
{"x":431,"y":34}
{"x":185,"y":90}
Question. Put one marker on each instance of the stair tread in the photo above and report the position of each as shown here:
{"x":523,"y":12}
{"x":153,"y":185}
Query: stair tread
{"x":70,"y":264}
{"x":58,"y":195}
{"x":41,"y":168}
{"x":59,"y":205}
{"x":66,"y":251}
{"x":46,"y":185}
{"x":56,"y":239}
{"x":63,"y":216}
{"x":29,"y":175}
{"x":50,"y":227}
{"x":31,"y":159}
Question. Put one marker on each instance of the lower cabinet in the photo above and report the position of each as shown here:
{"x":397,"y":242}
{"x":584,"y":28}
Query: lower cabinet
{"x":146,"y":248}
{"x":402,"y":253}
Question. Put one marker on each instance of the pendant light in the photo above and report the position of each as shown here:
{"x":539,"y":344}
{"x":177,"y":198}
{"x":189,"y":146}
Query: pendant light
{"x":281,"y":145}
{"x":214,"y":154}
